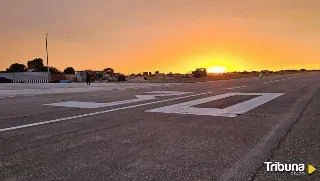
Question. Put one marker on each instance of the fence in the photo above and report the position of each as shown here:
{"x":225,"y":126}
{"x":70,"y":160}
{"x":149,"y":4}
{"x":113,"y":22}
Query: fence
{"x":26,"y":77}
{"x":31,"y":81}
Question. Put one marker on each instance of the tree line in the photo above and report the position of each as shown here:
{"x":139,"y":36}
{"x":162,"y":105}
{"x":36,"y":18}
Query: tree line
{"x":36,"y":65}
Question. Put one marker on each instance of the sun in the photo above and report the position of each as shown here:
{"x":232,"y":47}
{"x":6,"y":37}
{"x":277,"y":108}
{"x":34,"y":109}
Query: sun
{"x":217,"y":69}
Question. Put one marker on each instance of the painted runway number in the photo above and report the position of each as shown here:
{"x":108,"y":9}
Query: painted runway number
{"x":185,"y":107}
{"x":232,"y":111}
{"x":181,"y":108}
{"x":148,"y":96}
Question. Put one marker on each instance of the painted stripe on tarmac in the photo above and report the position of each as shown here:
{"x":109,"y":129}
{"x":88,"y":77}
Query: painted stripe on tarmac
{"x":237,"y":87}
{"x":96,"y":113}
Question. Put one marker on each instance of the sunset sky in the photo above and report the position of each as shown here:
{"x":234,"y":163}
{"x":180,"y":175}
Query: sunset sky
{"x":134,"y":36}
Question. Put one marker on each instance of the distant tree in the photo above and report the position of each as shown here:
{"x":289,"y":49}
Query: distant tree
{"x":16,"y":67}
{"x":99,"y":75}
{"x":69,"y":70}
{"x":108,"y":70}
{"x":54,"y":70}
{"x":38,"y":63}
{"x":302,"y":70}
{"x":199,"y":72}
{"x":51,"y":69}
{"x":156,"y":72}
{"x":121,"y":78}
{"x":204,"y":72}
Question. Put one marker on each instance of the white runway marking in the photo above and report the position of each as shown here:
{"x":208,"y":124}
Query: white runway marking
{"x":232,"y":111}
{"x":151,"y":95}
{"x":236,"y":87}
{"x":279,"y":80}
{"x":96,"y":113}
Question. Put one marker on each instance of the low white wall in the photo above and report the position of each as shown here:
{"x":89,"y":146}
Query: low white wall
{"x":26,"y":76}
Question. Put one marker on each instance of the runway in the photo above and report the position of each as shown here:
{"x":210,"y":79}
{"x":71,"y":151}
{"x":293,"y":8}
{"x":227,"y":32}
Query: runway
{"x":220,"y":130}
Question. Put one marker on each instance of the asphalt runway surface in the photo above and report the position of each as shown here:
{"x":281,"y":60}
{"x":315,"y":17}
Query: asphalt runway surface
{"x":222,"y":130}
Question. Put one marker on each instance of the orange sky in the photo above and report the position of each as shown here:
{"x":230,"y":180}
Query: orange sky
{"x":168,"y":35}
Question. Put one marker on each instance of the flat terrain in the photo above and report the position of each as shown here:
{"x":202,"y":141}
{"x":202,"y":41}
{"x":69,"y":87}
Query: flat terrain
{"x":219,"y":130}
{"x":210,"y":77}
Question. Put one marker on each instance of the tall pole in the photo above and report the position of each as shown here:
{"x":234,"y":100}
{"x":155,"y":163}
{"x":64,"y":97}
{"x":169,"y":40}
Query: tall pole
{"x":47,"y":56}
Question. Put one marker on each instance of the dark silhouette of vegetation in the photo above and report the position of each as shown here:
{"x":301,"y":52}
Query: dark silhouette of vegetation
{"x":108,"y":70}
{"x":16,"y":67}
{"x":99,"y":75}
{"x":52,"y":70}
{"x":200,"y":72}
{"x":69,"y":70}
{"x":37,"y":63}
{"x":121,"y":78}
{"x":39,"y":66}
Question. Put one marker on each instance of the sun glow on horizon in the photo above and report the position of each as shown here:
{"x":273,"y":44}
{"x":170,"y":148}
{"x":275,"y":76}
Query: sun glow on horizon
{"x":217,"y":69}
